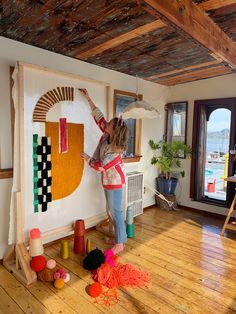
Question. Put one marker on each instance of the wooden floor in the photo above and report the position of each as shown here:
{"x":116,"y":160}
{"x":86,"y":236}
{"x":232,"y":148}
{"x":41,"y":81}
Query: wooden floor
{"x":193,"y":270}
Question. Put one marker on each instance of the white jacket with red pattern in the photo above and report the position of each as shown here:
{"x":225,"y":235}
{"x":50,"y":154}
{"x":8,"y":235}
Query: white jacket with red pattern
{"x":104,"y":160}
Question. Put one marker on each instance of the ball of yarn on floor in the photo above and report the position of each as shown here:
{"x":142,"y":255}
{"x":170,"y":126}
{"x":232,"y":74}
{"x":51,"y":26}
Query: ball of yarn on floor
{"x":67,"y":278}
{"x":94,"y":260}
{"x":51,"y":263}
{"x":46,"y":275}
{"x":59,"y":283}
{"x":38,"y":263}
{"x":95,"y":290}
{"x":62,"y":272}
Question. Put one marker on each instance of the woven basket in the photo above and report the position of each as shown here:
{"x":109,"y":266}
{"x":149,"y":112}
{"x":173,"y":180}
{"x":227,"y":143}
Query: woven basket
{"x":160,"y":203}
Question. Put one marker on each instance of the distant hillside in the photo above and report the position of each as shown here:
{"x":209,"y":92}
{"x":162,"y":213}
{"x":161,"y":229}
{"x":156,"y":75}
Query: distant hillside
{"x":223,"y":134}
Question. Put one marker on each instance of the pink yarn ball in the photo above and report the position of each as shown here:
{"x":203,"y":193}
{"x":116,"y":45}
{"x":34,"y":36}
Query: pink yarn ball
{"x":63,"y":276}
{"x":56,"y":275}
{"x":61,"y":271}
{"x":67,"y":278}
{"x":51,"y":264}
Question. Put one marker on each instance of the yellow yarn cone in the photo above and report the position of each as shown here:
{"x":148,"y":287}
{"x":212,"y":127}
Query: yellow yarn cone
{"x":88,"y":246}
{"x":64,"y":253}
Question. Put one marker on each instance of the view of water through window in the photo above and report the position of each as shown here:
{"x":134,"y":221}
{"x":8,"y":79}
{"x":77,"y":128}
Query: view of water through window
{"x":217,"y":148}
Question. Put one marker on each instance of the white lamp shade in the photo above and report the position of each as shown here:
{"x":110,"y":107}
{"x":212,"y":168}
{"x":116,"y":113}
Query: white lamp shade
{"x":140,"y":109}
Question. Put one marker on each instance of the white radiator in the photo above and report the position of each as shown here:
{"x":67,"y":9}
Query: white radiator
{"x":133,"y":196}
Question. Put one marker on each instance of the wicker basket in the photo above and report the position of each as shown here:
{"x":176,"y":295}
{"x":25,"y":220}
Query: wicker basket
{"x":160,"y":203}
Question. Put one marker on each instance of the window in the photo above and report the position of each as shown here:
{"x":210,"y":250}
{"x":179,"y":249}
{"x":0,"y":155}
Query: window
{"x":176,"y":121}
{"x":121,"y":100}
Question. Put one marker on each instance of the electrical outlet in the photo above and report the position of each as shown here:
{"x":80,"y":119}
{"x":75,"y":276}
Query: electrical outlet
{"x":144,"y":190}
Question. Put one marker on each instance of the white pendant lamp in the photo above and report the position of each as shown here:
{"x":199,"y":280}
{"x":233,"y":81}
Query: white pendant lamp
{"x":139,"y":109}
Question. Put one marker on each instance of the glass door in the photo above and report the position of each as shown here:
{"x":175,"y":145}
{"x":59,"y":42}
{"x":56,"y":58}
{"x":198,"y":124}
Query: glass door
{"x":214,"y":139}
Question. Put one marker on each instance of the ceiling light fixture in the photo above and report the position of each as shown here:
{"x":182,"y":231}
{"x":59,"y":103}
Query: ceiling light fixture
{"x":140,"y":109}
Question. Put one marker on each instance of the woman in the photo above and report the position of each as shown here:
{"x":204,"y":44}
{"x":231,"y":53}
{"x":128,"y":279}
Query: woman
{"x":107,"y":160}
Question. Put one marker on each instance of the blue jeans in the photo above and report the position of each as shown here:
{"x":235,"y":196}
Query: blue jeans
{"x":114,"y":203}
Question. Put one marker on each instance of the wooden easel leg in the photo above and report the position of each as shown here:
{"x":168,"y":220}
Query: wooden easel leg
{"x":229,"y":215}
{"x":17,"y":261}
{"x":10,"y":253}
{"x":106,"y":226}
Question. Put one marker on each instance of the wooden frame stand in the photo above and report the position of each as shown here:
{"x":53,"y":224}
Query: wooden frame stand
{"x":17,"y":262}
{"x":17,"y":259}
{"x":106,"y":226}
{"x":227,"y":225}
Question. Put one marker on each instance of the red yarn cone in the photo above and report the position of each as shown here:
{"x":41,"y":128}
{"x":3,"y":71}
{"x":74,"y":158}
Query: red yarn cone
{"x":79,"y":245}
{"x":79,"y":228}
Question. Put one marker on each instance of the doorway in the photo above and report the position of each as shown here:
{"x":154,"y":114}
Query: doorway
{"x":213,"y":140}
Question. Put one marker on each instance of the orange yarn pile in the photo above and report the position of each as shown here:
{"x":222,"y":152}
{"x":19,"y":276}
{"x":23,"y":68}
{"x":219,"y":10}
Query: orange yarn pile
{"x":121,"y":275}
{"x":108,"y":297}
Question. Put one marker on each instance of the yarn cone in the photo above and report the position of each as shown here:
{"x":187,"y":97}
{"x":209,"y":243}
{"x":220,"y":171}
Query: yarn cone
{"x":129,"y":216}
{"x":35,"y":243}
{"x":88,"y":246}
{"x":64,"y":252}
{"x":130,"y":231}
{"x":79,"y":228}
{"x":129,"y":223}
{"x":79,"y":244}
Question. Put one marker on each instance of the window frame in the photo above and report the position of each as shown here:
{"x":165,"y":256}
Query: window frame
{"x":206,"y":107}
{"x":138,"y":129}
{"x":169,"y":121}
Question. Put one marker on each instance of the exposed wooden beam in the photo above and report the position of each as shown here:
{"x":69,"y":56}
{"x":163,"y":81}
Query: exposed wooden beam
{"x":139,"y":31}
{"x":192,"y":67}
{"x":196,"y":75}
{"x":215,"y":4}
{"x":188,"y":17}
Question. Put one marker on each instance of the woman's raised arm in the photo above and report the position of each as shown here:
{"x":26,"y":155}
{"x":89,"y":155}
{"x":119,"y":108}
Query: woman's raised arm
{"x":84,"y":92}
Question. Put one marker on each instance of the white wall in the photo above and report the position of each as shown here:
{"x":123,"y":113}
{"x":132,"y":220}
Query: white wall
{"x":12,"y":51}
{"x":219,"y":87}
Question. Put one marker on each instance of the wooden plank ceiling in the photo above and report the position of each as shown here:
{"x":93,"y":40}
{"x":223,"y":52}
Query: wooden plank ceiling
{"x":164,"y":41}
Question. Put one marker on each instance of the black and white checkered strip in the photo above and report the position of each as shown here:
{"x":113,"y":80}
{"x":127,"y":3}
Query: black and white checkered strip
{"x":44,"y":173}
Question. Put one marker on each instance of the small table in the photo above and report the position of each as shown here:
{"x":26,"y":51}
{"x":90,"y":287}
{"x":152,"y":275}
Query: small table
{"x":231,"y":209}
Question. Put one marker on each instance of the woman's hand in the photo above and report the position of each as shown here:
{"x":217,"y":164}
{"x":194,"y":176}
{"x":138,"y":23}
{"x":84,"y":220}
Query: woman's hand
{"x":85,"y":156}
{"x":84,"y":92}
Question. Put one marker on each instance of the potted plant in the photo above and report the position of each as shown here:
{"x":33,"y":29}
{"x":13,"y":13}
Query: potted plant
{"x":167,"y":158}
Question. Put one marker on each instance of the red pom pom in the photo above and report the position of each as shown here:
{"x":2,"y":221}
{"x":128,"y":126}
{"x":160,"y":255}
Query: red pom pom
{"x":95,"y":290}
{"x":38,"y":263}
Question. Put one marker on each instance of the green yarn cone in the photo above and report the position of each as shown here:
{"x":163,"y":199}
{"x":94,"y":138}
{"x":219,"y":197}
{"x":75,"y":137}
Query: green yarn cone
{"x":130,"y":230}
{"x":129,"y":216}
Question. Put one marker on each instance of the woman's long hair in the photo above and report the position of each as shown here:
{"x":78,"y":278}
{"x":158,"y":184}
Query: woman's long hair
{"x":119,"y":138}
